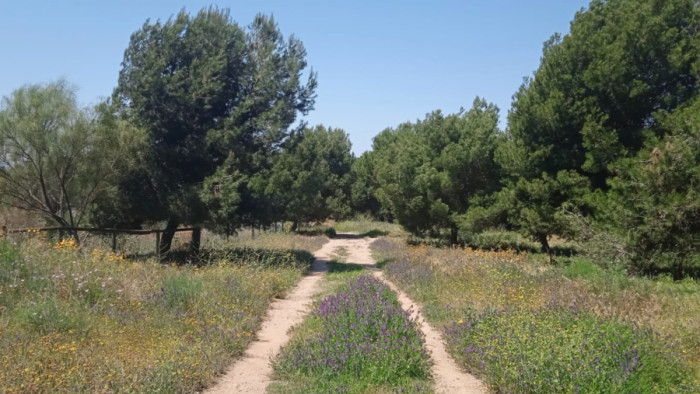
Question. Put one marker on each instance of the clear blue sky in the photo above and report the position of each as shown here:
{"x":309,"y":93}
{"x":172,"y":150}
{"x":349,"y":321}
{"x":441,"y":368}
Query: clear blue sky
{"x":379,"y":63}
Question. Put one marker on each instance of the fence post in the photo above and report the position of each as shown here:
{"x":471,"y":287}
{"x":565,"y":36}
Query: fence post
{"x":114,"y":242}
{"x":158,"y":245}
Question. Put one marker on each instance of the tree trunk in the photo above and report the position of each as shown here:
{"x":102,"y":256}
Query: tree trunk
{"x":545,"y":246}
{"x":196,"y":240}
{"x":454,"y":231}
{"x":167,"y":239}
{"x":295,"y":225}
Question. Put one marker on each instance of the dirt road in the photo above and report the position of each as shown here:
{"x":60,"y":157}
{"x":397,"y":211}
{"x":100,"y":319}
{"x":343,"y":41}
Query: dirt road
{"x":251,"y":373}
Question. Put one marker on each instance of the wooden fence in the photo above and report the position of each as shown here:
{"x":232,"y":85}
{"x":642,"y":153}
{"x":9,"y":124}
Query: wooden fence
{"x":196,"y":233}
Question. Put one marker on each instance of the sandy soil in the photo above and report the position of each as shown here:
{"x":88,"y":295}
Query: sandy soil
{"x":251,"y":373}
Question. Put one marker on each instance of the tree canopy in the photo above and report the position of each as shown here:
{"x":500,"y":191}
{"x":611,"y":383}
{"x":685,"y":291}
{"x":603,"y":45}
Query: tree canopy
{"x":55,"y":159}
{"x":428,"y":172}
{"x":601,"y":87}
{"x":215,"y":101}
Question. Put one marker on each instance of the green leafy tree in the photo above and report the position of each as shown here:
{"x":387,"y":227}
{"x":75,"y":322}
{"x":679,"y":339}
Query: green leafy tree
{"x":429,"y":171}
{"x":363,"y":199}
{"x":597,"y":96}
{"x":216,"y":101}
{"x":536,"y":206}
{"x":654,"y":201}
{"x":311,"y":180}
{"x":600,"y":87}
{"x":55,"y":159}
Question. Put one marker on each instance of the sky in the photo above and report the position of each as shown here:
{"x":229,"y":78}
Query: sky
{"x":379,"y":63}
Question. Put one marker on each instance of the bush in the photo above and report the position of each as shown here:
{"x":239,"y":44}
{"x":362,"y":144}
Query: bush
{"x":180,"y":290}
{"x":46,"y":316}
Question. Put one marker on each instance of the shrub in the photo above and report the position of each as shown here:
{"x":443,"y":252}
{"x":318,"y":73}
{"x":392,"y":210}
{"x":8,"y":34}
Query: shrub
{"x":46,"y":316}
{"x":262,"y":258}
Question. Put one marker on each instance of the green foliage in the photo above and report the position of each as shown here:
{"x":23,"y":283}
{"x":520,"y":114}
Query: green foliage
{"x":657,"y":193}
{"x":600,"y":95}
{"x":579,"y":267}
{"x":363,"y":199}
{"x":601,"y":86}
{"x":368,"y":227}
{"x":536,"y":206}
{"x":45,"y":316}
{"x":316,"y":230}
{"x":260,"y":257}
{"x":215,"y":102}
{"x":55,"y":159}
{"x":427,"y":172}
{"x":310,"y":180}
{"x":180,"y":290}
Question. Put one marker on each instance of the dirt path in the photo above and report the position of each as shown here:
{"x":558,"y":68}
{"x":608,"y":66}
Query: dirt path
{"x":449,"y":378}
{"x":251,"y":373}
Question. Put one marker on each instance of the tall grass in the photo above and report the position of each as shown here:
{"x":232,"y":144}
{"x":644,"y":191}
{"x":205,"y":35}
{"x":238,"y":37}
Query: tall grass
{"x":95,"y":321}
{"x":527,"y":327}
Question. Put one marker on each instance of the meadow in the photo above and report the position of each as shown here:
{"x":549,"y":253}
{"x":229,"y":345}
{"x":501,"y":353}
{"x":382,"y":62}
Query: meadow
{"x":90,"y":320}
{"x":525,"y":326}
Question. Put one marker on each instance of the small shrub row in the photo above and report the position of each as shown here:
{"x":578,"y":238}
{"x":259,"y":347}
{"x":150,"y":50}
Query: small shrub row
{"x":362,"y":339}
{"x":259,"y":257}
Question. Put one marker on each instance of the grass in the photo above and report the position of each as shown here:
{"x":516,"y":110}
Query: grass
{"x":357,"y":340}
{"x":317,"y":230}
{"x":523,"y":326}
{"x":367,"y":227}
{"x":95,"y":321}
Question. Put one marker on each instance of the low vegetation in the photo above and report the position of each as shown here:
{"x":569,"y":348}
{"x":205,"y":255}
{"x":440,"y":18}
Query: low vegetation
{"x":357,"y":339}
{"x":527,"y":327}
{"x":73,"y":320}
